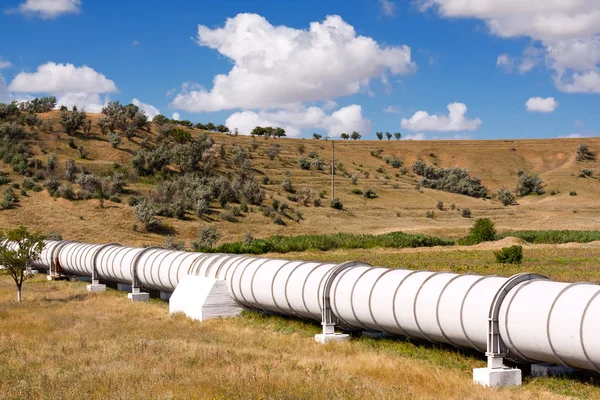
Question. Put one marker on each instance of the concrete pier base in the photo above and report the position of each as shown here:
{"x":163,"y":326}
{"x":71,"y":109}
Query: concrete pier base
{"x":547,"y":369}
{"x":139,"y":296}
{"x":331,"y":337}
{"x":165,"y":296}
{"x":124,"y":287}
{"x":497,"y":377}
{"x":96,"y":288}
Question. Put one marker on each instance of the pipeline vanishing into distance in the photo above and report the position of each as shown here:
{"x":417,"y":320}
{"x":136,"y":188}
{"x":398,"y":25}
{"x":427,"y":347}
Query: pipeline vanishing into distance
{"x":526,"y":318}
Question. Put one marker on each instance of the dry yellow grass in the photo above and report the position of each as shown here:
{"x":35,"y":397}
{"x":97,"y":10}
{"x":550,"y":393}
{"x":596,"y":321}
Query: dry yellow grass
{"x":63,"y":342}
{"x":495,"y":162}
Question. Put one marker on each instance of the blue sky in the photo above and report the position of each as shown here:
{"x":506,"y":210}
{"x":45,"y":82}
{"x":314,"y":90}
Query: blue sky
{"x":378,"y":66}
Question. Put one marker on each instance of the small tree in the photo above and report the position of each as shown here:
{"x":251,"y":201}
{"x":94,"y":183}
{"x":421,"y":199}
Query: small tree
{"x":345,"y":136}
{"x":317,"y":136}
{"x":388,"y":135}
{"x":18,"y":250}
{"x":355,"y":135}
{"x":509,"y":255}
{"x":483,"y":230}
{"x":398,"y":135}
{"x":379,"y":135}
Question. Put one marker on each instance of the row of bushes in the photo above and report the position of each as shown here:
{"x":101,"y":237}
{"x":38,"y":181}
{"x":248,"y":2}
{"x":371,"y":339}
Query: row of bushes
{"x":286,"y":244}
{"x":553,"y":237}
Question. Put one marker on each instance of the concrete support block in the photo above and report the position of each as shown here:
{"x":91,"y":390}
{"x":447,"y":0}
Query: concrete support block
{"x":202,"y":298}
{"x":124,"y":287}
{"x":165,"y":296}
{"x":139,"y":296}
{"x":331,"y":337}
{"x":497,"y":377}
{"x":547,"y":369}
{"x":96,"y":287}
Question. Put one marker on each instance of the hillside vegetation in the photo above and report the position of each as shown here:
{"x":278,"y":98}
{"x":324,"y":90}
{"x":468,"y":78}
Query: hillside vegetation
{"x":117,"y":177}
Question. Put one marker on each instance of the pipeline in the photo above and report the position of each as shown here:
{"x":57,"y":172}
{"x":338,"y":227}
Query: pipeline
{"x":526,"y":318}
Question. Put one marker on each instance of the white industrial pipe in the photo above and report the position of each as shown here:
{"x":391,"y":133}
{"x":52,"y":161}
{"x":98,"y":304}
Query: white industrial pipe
{"x":526,"y":318}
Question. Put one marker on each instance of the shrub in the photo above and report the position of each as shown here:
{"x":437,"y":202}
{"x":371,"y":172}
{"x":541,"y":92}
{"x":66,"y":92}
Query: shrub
{"x":317,"y":202}
{"x":453,"y":206}
{"x":277,"y":219}
{"x":429,"y":214}
{"x":529,"y":184}
{"x":357,"y":191}
{"x":83,"y":153}
{"x":572,"y":193}
{"x":147,"y":213}
{"x":71,"y":143}
{"x":376,"y":153}
{"x":66,"y":191}
{"x":228,"y":215}
{"x":172,"y":244}
{"x":317,"y":163}
{"x":505,"y":197}
{"x":51,"y":163}
{"x":584,"y":153}
{"x":440,"y":205}
{"x":301,"y":148}
{"x":336,"y":203}
{"x":453,"y":180}
{"x":52,"y":186}
{"x":587,"y":172}
{"x":287,"y":185}
{"x":393,"y":161}
{"x":466,"y":213}
{"x":370,"y":193}
{"x":54,"y":236}
{"x":70,"y":169}
{"x":114,"y":139}
{"x":207,"y":238}
{"x":71,"y":121}
{"x":28,"y":183}
{"x":354,"y":179}
{"x":509,"y":255}
{"x":303,"y":163}
{"x":273,"y":151}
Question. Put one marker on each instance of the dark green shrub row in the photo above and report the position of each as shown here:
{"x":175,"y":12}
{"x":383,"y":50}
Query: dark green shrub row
{"x":286,"y":244}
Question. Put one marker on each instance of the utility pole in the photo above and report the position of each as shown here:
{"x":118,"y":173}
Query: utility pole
{"x":332,"y":169}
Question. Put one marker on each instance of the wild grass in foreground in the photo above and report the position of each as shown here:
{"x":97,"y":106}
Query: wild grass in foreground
{"x":286,"y":244}
{"x":63,"y":342}
{"x":553,"y":237}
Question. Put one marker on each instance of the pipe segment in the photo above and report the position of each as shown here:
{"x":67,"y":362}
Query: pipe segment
{"x":527,"y":317}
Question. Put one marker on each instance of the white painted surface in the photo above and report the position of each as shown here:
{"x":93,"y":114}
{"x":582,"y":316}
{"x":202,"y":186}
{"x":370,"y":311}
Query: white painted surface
{"x":203,"y":298}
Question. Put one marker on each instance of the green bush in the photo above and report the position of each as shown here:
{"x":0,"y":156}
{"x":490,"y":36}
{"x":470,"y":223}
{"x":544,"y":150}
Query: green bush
{"x":466,"y":213}
{"x":357,"y":191}
{"x":453,"y":180}
{"x":505,"y":197}
{"x":509,"y":255}
{"x":482,"y":231}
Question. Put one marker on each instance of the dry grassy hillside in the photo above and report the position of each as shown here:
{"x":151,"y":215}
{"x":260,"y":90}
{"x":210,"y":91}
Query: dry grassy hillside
{"x":399,"y":204}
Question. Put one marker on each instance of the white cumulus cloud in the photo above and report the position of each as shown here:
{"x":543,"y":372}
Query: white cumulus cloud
{"x":454,"y":121}
{"x":296,"y":120}
{"x":149,"y":109}
{"x":538,"y":104}
{"x":72,"y":86}
{"x":5,"y":63}
{"x":52,"y":78}
{"x":48,"y":9}
{"x":90,"y":102}
{"x":275,"y":66}
{"x":569,"y":31}
{"x":175,"y":116}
